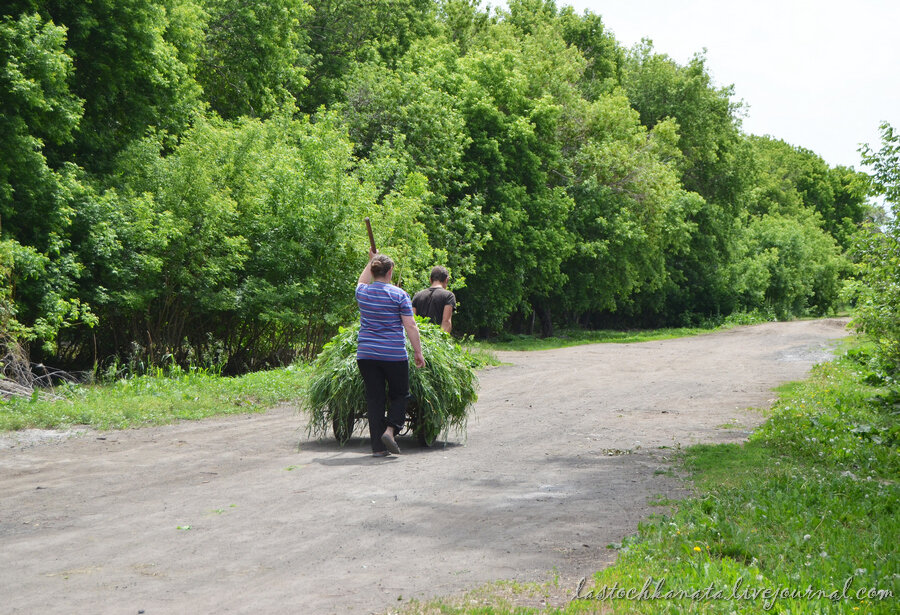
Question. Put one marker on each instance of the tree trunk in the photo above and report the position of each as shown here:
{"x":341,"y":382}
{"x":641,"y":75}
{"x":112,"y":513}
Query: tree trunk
{"x":546,"y":320}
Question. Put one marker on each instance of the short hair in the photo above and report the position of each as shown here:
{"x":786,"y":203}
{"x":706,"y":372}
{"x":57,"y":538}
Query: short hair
{"x":439,"y":274}
{"x":381,"y":264}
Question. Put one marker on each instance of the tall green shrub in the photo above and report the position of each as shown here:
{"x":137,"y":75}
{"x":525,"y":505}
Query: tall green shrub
{"x":876,"y":289}
{"x":787,"y":266}
{"x":238,"y":248}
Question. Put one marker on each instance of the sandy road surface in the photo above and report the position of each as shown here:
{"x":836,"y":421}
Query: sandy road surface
{"x":565,"y":450}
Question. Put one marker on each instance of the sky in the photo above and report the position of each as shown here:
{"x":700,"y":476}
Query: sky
{"x":820,"y":74}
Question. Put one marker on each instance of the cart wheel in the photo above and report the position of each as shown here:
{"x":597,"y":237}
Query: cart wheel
{"x":426,"y":439}
{"x":343,"y":428}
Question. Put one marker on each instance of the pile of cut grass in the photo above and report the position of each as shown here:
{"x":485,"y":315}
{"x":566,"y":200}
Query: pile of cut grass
{"x":443,"y":392}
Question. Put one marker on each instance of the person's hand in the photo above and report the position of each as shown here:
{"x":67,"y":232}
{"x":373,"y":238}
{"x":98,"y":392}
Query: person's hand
{"x":372,"y":254}
{"x":419,"y":360}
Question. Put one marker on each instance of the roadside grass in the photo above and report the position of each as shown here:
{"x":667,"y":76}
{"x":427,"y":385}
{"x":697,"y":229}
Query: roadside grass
{"x":808,"y":506}
{"x":171,"y":394}
{"x":479,"y":355}
{"x":577,"y":337}
{"x":168,"y":395}
{"x":507,"y":597}
{"x":160,"y":398}
{"x":804,"y":518}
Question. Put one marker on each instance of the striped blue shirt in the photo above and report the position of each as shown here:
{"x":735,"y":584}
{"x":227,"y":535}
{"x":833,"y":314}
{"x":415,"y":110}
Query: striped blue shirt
{"x":381,"y":330}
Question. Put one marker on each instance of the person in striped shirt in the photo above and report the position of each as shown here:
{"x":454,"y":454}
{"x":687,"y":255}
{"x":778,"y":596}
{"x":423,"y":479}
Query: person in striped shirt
{"x":385,"y":313}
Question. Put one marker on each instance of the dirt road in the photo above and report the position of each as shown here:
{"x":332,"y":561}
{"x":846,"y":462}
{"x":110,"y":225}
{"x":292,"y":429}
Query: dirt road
{"x":231,"y":516}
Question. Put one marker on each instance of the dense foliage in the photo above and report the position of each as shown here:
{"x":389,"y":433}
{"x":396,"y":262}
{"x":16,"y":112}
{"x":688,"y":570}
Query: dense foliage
{"x":443,"y":392}
{"x":876,"y":287}
{"x":185,"y":179}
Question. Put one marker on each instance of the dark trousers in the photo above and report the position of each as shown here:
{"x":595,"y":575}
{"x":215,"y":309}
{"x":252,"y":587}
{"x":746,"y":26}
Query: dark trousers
{"x":375,"y":375}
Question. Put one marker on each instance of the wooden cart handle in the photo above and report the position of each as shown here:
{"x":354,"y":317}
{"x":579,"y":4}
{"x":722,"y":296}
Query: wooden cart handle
{"x":371,"y":236}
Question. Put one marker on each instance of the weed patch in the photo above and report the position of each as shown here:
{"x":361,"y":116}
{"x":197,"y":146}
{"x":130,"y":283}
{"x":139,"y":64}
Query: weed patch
{"x":154,"y":400}
{"x":802,"y":519}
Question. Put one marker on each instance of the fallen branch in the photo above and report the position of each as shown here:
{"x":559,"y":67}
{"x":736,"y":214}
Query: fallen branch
{"x":10,"y":388}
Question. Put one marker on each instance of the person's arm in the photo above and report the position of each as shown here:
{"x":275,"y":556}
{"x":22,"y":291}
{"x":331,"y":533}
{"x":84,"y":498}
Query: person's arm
{"x":412,"y":332}
{"x":366,"y":276}
{"x":446,"y":321}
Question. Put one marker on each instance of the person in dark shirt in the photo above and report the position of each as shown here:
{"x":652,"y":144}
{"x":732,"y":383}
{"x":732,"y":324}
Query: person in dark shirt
{"x":436,"y":302}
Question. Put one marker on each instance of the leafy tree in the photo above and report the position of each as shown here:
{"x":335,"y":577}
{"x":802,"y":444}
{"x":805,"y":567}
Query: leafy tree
{"x":174,"y":250}
{"x":851,"y":206}
{"x":463,"y":22}
{"x":36,"y":200}
{"x":707,"y":118}
{"x":885,"y":165}
{"x":605,"y":57}
{"x":343,"y":33}
{"x":629,"y":208}
{"x":128,"y":70}
{"x":36,"y":107}
{"x":412,"y":109}
{"x":482,"y":127}
{"x":790,"y":179}
{"x":716,"y":163}
{"x":787,"y":266}
{"x":527,"y":16}
{"x":876,"y":289}
{"x":412,"y":116}
{"x":255,"y":55}
{"x":508,"y":170}
{"x":15,"y":372}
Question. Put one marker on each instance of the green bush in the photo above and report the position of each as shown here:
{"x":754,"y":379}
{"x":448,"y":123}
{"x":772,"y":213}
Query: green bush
{"x":876,"y":289}
{"x":789,"y":266}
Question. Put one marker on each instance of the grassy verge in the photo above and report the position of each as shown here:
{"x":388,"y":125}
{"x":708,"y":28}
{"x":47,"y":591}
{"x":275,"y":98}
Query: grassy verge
{"x":195,"y":394}
{"x":167,"y":396}
{"x":803,"y":518}
{"x":154,"y":400}
{"x":578,"y":337}
{"x":480,"y":355}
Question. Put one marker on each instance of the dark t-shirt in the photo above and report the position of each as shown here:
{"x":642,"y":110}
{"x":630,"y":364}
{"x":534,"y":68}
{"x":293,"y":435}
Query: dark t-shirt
{"x":430,"y":303}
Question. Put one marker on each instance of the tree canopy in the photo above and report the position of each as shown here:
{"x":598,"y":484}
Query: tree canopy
{"x":186,"y":179}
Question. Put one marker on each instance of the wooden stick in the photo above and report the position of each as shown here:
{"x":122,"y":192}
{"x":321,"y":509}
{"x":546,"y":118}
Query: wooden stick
{"x":371,"y":236}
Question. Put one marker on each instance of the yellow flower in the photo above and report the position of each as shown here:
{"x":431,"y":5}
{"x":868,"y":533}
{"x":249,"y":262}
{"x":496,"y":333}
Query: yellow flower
{"x":697,"y":549}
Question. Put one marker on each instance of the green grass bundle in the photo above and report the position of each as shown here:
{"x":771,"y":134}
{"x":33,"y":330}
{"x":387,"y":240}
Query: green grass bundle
{"x":443,"y":392}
